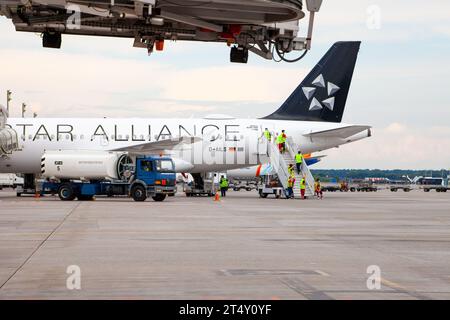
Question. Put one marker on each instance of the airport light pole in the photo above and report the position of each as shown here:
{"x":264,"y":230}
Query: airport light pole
{"x":24,"y":106}
{"x":8,"y":99}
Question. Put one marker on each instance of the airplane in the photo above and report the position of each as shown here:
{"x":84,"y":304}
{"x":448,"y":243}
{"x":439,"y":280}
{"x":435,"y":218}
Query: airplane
{"x":311,"y":116}
{"x":267,"y":28}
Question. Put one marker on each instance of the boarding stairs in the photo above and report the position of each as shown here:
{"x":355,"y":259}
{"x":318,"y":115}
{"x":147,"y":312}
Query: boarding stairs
{"x":281,"y":161}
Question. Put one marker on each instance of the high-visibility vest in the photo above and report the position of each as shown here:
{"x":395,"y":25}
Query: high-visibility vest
{"x":280,"y":139}
{"x":303,"y":184}
{"x":224,"y":183}
{"x":291,"y":182}
{"x":299,"y":158}
{"x":317,"y":186}
{"x":267,"y":134}
{"x":291,"y":170}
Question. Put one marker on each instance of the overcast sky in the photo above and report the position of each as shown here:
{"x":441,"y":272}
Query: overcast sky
{"x":401,"y":84}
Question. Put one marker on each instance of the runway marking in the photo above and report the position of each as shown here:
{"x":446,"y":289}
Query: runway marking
{"x":40,"y":245}
{"x":401,"y":289}
{"x":306,"y":290}
{"x":322,"y":273}
{"x":254,"y":272}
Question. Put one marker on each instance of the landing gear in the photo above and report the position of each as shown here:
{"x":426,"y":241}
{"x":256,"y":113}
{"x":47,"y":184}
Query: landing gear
{"x":51,"y":40}
{"x":239,"y":54}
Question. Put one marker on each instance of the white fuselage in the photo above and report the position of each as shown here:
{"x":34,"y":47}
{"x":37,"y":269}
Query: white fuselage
{"x":226,"y":144}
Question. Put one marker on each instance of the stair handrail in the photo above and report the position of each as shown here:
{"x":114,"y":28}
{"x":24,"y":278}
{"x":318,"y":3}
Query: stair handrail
{"x":292,"y":148}
{"x":279,"y":164}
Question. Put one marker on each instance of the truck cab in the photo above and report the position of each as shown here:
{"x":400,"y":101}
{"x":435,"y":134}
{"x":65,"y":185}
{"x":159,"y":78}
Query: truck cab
{"x":153,"y":176}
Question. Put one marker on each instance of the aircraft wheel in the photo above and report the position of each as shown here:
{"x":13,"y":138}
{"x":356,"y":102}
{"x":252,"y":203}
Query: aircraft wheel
{"x":138,"y":193}
{"x":159,"y":197}
{"x":66,"y":192}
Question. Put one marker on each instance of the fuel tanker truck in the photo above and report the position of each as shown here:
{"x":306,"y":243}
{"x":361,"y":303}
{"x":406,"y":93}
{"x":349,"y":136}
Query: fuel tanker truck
{"x":85,"y":174}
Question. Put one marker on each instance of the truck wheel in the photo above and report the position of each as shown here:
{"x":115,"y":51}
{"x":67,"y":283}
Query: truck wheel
{"x":66,"y":192}
{"x":159,"y":197}
{"x":85,"y":197}
{"x":138,"y":193}
{"x":406,"y":190}
{"x":263,"y":195}
{"x":426,"y":190}
{"x":18,"y":194}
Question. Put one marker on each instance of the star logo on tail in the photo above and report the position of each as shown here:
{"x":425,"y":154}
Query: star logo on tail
{"x":318,"y":83}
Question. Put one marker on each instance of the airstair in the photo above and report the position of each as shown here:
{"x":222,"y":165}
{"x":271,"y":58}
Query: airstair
{"x":281,"y":161}
{"x":8,"y":137}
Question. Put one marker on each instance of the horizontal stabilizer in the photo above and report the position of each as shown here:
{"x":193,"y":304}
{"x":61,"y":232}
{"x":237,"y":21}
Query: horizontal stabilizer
{"x":343,"y":132}
{"x":158,"y":146}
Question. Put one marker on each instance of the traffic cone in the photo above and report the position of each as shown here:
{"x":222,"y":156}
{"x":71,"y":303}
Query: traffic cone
{"x":217,"y":197}
{"x":37,"y":195}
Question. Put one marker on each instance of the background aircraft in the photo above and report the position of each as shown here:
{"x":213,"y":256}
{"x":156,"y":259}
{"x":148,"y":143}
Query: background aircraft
{"x":260,"y":26}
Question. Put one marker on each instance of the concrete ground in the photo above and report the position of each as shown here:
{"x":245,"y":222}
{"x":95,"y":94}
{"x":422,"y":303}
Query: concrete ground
{"x":240,"y":248}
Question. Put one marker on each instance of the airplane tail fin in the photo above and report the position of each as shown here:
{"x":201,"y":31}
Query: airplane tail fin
{"x":323,"y":93}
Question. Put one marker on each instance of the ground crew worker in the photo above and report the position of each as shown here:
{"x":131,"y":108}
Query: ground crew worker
{"x":291,"y":170}
{"x":318,"y":189}
{"x":290,"y":188}
{"x":268,"y":135}
{"x":223,"y":186}
{"x":280,"y":142}
{"x":283,"y":141}
{"x":303,"y":187}
{"x":299,"y":161}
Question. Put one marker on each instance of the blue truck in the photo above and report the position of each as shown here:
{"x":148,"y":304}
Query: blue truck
{"x":149,"y":176}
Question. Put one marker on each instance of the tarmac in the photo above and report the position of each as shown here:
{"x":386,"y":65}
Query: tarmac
{"x":242,"y":247}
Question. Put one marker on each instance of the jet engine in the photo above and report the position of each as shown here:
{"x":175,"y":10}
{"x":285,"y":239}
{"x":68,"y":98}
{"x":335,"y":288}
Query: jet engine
{"x":8,"y":137}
